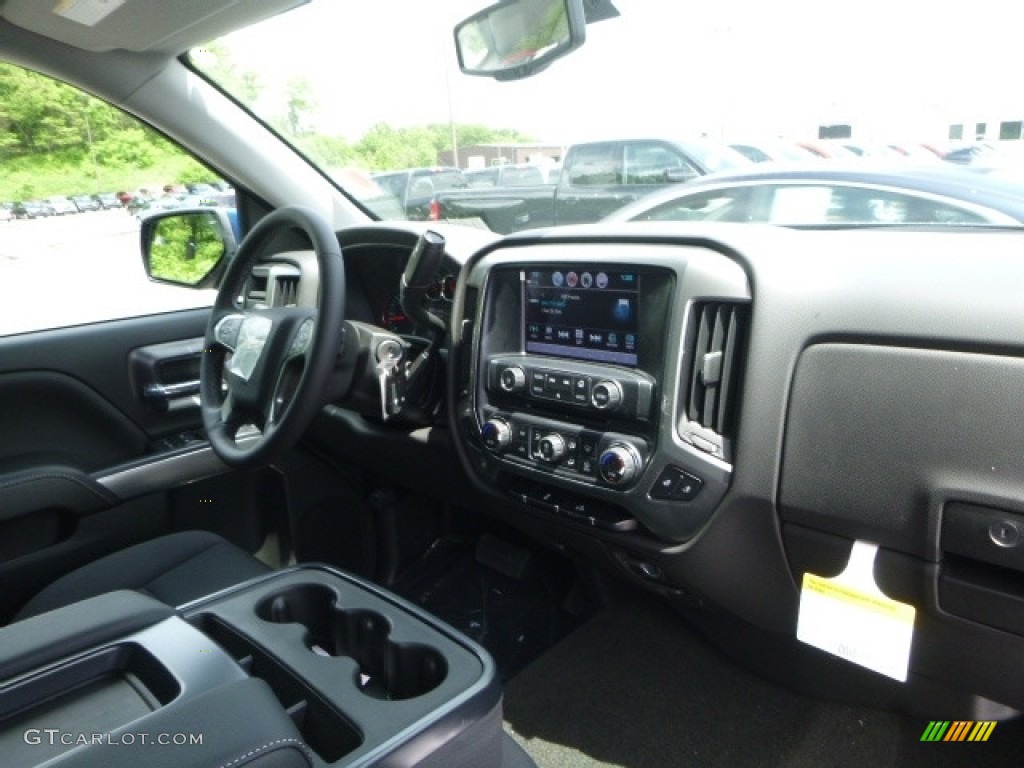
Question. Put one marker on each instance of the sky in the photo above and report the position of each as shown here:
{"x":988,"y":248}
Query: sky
{"x":673,"y":68}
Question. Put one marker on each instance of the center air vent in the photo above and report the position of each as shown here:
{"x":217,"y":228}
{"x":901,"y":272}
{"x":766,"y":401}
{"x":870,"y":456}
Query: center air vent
{"x":714,"y":358}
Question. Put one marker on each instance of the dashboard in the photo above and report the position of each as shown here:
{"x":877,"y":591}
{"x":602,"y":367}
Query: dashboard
{"x":712,"y":412}
{"x":734,"y":407}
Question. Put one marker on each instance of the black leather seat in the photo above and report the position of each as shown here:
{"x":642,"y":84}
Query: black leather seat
{"x":174,"y":569}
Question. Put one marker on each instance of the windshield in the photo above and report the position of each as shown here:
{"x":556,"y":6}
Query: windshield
{"x":372,"y":93}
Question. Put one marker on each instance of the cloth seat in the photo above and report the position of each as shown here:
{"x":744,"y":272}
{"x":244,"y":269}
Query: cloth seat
{"x":174,"y":569}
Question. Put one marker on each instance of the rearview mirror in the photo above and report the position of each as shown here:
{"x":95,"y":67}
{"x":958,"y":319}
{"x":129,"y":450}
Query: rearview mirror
{"x":518,"y":38}
{"x":185,"y":247}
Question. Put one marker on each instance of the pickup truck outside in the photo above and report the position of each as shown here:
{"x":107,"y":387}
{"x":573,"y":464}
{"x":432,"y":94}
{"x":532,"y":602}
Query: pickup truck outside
{"x":597,"y":178}
{"x":415,"y":188}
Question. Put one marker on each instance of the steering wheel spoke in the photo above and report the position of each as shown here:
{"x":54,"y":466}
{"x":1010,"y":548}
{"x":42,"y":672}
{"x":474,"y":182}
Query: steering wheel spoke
{"x":226,"y":328}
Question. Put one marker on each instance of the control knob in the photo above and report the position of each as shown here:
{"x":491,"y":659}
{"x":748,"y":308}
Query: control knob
{"x":606,"y":395}
{"x":496,"y":434}
{"x":512,"y":379}
{"x":619,"y":464}
{"x":551,"y":447}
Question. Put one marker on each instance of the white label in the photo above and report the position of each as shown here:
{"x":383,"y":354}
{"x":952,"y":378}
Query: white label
{"x":87,"y":12}
{"x":850,"y":617}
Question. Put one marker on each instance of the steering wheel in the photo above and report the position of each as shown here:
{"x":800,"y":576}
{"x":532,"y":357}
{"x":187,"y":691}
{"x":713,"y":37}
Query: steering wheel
{"x":268,"y":367}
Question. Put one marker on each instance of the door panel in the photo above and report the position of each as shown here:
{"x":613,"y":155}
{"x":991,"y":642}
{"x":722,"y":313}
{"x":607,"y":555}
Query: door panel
{"x":77,"y":403}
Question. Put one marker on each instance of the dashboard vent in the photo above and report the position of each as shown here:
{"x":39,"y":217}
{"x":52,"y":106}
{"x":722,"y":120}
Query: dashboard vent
{"x":715,"y":354}
{"x":286,"y":291}
{"x":256,"y":294}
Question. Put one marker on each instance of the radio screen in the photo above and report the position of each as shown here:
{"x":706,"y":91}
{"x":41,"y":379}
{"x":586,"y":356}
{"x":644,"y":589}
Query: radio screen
{"x":590,"y":314}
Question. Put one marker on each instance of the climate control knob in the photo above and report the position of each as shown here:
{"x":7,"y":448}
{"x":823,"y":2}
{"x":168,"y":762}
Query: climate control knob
{"x":606,"y":395}
{"x":496,"y":434}
{"x":512,"y":379}
{"x":619,"y":464}
{"x":551,"y":447}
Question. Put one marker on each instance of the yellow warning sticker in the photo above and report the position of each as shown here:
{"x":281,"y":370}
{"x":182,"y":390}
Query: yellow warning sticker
{"x":850,"y":617}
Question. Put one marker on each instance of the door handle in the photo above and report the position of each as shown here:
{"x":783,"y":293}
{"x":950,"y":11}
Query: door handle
{"x":168,"y":392}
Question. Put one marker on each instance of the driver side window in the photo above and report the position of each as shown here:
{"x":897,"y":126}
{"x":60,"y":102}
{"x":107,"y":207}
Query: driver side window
{"x":79,"y":176}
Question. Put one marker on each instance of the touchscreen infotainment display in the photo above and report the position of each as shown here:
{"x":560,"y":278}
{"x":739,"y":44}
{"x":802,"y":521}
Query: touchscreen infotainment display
{"x":580,"y":312}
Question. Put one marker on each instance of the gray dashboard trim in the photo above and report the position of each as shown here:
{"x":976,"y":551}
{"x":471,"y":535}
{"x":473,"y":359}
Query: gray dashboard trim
{"x":167,"y":471}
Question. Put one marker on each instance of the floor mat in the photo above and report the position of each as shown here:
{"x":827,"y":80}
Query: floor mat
{"x":514,"y":618}
{"x":636,"y":687}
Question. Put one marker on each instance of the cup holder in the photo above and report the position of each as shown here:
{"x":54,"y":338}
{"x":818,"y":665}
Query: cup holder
{"x":386,"y":669}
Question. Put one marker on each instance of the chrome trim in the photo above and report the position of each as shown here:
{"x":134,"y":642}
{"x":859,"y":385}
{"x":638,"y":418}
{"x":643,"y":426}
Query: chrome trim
{"x":170,"y":391}
{"x":167,"y":471}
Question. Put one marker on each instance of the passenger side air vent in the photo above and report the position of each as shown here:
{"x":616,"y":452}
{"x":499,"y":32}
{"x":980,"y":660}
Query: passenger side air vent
{"x":715,"y":347}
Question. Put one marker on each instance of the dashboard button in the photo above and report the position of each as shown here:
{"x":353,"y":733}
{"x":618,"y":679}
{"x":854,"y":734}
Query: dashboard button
{"x":1004,"y":533}
{"x":606,"y":395}
{"x":496,"y":435}
{"x":674,"y":484}
{"x":513,"y":379}
{"x":665,"y":485}
{"x":551,"y":447}
{"x":537,"y":379}
{"x":619,"y":464}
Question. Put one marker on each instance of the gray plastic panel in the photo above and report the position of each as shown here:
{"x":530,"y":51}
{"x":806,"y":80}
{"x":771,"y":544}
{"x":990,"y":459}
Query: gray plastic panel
{"x":878,"y":438}
{"x":395,"y":731}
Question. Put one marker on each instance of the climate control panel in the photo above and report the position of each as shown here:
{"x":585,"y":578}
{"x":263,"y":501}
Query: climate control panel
{"x":605,"y":458}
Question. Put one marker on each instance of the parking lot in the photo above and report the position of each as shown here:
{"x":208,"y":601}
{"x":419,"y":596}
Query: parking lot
{"x":76,"y":269}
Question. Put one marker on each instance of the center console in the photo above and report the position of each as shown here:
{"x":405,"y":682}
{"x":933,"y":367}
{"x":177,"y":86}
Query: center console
{"x":307,"y":667}
{"x":576,"y":381}
{"x":570,"y":373}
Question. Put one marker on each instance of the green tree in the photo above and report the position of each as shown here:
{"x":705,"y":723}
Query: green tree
{"x":300,"y":104}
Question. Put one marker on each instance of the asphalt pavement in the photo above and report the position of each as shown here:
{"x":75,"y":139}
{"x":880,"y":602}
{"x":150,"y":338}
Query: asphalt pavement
{"x":82,"y":268}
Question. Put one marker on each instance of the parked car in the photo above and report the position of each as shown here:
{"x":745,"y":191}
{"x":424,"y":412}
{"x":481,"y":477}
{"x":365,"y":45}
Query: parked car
{"x":33,"y":209}
{"x":85,"y":203}
{"x":841,"y":196}
{"x":829,"y":149}
{"x":596,"y":178}
{"x":107,"y":200}
{"x":415,"y":188}
{"x":61,"y":205}
{"x":763,"y":151}
{"x":511,"y":175}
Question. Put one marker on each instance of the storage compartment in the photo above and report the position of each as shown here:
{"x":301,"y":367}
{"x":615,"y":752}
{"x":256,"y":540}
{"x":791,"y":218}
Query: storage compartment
{"x":98,"y":693}
{"x":323,"y":728}
{"x":982,"y":577}
{"x":386,"y":670}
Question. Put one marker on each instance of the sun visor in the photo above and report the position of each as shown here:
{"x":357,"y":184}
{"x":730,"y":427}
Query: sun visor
{"x":155,"y":26}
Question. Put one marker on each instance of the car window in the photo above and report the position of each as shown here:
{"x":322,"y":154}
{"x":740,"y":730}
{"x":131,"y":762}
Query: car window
{"x":392,"y":183}
{"x":809,"y":205}
{"x":484,"y":177}
{"x":64,"y":261}
{"x":655,"y":164}
{"x":729,"y":204}
{"x":596,"y":165}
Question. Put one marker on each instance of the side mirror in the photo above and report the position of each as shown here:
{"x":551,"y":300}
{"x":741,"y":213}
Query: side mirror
{"x":678,"y":175}
{"x":516,"y":39}
{"x":186,"y":247}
